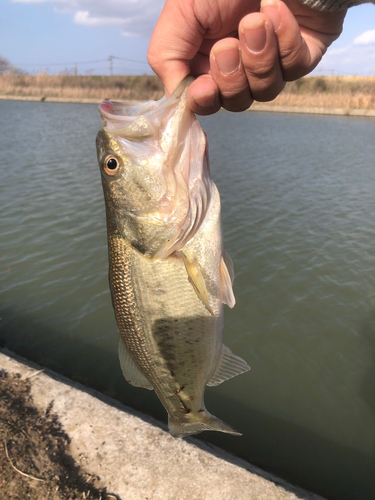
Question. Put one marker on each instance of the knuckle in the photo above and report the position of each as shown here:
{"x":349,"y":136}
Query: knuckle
{"x":233,"y":92}
{"x":290,"y":55}
{"x":263,"y":71}
{"x":268,"y":92}
{"x":236,"y":99}
{"x":294,"y":63}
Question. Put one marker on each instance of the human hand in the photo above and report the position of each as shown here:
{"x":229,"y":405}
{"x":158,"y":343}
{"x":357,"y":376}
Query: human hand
{"x":238,"y":54}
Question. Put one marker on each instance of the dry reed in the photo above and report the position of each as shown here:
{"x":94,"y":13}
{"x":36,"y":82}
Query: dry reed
{"x":68,"y":86}
{"x":327,"y":92}
{"x":349,"y":92}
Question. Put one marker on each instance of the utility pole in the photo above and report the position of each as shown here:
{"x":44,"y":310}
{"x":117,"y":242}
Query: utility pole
{"x":75,"y":70}
{"x":110,"y":59}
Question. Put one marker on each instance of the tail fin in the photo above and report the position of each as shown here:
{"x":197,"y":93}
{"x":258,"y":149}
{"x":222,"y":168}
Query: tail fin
{"x":205,"y":422}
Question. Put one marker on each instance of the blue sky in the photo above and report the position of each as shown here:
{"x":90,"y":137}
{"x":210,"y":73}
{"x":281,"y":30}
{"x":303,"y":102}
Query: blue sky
{"x":53,"y":35}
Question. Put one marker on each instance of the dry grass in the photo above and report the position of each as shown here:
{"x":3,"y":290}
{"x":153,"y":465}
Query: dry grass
{"x":328,"y":92}
{"x":340,"y":100}
{"x":100,"y":87}
{"x":348,"y":92}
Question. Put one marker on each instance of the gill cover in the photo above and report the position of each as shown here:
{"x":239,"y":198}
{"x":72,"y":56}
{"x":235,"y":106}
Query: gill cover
{"x":159,"y":196}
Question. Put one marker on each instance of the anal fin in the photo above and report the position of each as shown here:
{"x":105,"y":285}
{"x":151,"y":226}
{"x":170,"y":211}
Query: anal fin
{"x":229,"y":366}
{"x":130,"y":370}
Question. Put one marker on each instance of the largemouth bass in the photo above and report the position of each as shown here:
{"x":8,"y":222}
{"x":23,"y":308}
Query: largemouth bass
{"x":169,"y":275}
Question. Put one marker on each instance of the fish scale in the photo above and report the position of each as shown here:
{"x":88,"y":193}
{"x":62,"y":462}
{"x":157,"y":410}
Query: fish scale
{"x":168,"y":298}
{"x":123,"y":297}
{"x":169,"y":275}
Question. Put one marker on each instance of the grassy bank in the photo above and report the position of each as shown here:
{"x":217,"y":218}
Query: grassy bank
{"x":124,"y":88}
{"x":325,"y":92}
{"x":351,"y":92}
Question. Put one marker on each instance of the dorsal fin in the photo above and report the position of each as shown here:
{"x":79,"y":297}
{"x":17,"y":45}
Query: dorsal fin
{"x":229,"y":366}
{"x":130,"y":370}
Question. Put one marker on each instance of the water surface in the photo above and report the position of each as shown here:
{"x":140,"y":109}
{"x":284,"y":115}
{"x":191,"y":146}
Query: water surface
{"x":298,"y":195}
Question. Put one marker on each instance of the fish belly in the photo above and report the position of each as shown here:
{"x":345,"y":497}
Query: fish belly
{"x":166,"y":329}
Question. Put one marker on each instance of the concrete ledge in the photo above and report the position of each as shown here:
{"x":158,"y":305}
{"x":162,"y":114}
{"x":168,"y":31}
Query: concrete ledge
{"x":135,"y":457}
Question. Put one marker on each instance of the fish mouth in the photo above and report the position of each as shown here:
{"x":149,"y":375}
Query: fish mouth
{"x":132,"y":120}
{"x":117,"y":119}
{"x":126,"y":111}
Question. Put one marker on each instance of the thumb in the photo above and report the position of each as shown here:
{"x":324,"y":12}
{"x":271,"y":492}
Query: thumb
{"x":175,"y":41}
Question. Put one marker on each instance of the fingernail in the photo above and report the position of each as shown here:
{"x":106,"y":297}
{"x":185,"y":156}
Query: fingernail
{"x":205,"y":100}
{"x":271,"y":9}
{"x":255,"y":35}
{"x":227,"y":58}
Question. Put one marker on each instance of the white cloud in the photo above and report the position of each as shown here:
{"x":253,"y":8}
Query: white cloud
{"x":128,"y":33}
{"x":83,"y":17}
{"x":349,"y":60}
{"x":367,"y":38}
{"x":355,"y":57}
{"x":142,"y":14}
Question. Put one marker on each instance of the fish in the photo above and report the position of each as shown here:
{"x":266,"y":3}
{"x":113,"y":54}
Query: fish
{"x":168,"y":272}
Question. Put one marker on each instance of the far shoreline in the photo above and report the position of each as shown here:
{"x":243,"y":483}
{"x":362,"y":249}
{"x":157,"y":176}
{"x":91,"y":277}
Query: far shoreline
{"x":268,"y":108}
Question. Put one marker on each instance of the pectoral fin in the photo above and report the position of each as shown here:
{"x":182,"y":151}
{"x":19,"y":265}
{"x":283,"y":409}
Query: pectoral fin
{"x":229,"y":366}
{"x":196,"y":278}
{"x":226,"y":280}
{"x":130,"y":370}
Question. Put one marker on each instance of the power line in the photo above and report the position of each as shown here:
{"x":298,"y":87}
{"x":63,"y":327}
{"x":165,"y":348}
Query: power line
{"x":82,"y":62}
{"x":130,"y":60}
{"x":330,"y":72}
{"x":60,"y":64}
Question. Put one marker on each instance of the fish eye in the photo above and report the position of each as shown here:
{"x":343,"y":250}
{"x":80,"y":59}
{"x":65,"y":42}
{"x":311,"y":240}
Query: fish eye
{"x":111,"y":165}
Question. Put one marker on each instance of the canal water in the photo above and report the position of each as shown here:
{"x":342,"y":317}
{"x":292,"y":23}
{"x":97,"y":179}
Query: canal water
{"x":298,"y":196}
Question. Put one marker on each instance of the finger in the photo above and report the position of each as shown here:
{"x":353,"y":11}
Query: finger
{"x":175,"y":41}
{"x":200,"y":65}
{"x":228,"y":73}
{"x":296,"y":58}
{"x":260,"y":57}
{"x":301,"y":48}
{"x":203,"y":96}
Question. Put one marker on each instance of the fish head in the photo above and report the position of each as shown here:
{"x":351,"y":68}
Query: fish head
{"x":155,"y":175}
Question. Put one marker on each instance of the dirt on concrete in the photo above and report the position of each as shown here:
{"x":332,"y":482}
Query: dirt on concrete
{"x":85,"y":445}
{"x":35,"y":462}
